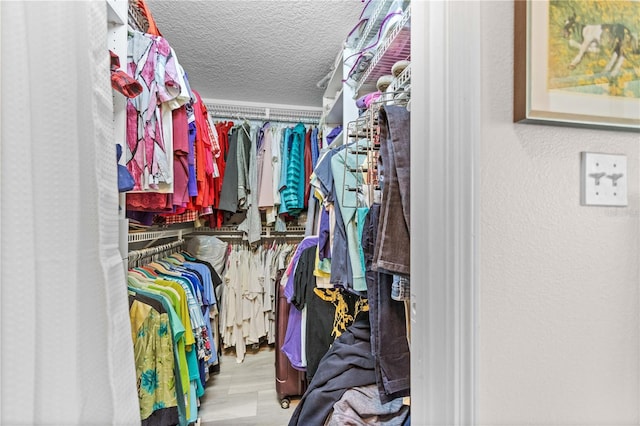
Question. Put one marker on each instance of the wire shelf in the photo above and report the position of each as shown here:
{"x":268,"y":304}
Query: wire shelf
{"x":137,"y":237}
{"x":263,"y":113}
{"x":394,"y":48}
{"x":374,"y":22}
{"x":401,"y":80}
{"x":135,"y":256}
{"x":267,"y":232}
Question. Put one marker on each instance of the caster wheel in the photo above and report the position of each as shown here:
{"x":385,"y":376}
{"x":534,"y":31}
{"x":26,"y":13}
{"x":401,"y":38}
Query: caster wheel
{"x":285,"y":403}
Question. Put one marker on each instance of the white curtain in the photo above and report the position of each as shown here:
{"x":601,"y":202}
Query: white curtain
{"x":67,"y":357}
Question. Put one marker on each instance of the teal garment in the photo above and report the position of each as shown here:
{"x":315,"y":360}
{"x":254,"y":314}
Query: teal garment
{"x":194,"y":372}
{"x":360,"y":218}
{"x":293,"y":194}
{"x":284,"y":163}
{"x":178,"y":330}
{"x":193,"y":408}
{"x":344,"y":179}
{"x":197,"y":322}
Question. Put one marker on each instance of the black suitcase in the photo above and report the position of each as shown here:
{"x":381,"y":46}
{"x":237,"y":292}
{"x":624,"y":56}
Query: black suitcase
{"x":289,"y":381}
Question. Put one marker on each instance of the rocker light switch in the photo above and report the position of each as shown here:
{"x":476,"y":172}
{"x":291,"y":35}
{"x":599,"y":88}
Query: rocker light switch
{"x":604,"y":179}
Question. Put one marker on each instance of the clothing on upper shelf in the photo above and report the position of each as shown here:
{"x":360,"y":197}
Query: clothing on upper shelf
{"x":151,"y":63}
{"x":293,"y":192}
{"x":236,"y":182}
{"x":181,"y":161}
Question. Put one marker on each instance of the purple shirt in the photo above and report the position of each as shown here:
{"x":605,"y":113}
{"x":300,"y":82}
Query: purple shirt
{"x":292,"y":346}
{"x":324,"y":244}
{"x":307,"y":242}
{"x":192,"y":184}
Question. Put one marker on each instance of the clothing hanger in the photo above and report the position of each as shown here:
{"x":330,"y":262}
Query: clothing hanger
{"x":242,"y":125}
{"x":188,"y":256}
{"x":148,"y":270}
{"x":165,"y":262}
{"x":141,"y":274}
{"x":159,"y":267}
{"x":134,"y":282}
{"x":175,"y":259}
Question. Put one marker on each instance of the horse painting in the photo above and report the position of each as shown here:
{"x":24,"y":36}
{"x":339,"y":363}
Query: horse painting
{"x":593,"y":38}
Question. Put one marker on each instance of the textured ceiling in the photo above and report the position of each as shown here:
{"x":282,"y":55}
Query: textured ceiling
{"x":257,"y":50}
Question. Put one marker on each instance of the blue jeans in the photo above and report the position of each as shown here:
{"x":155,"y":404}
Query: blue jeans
{"x":389,"y":344}
{"x":391,"y":251}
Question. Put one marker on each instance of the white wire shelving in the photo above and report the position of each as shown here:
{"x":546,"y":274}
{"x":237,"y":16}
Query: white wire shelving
{"x":395,"y":47}
{"x":226,"y":232}
{"x":373,"y":24}
{"x":142,"y":236}
{"x":263,"y":112}
{"x":401,"y":81}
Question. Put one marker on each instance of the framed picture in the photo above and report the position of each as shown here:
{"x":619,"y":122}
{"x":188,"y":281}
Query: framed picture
{"x":577,"y":63}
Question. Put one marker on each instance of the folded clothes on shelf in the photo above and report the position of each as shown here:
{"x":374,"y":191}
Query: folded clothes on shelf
{"x":333,"y":134}
{"x":366,"y":100}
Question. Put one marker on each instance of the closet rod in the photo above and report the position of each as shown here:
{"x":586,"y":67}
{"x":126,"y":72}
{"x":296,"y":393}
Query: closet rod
{"x":135,"y":255}
{"x":287,"y":119}
{"x":262,"y":237}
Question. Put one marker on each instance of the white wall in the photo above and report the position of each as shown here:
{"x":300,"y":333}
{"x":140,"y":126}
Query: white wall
{"x":559,"y":283}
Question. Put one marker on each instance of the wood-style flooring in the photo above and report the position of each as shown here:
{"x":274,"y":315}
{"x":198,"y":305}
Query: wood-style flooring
{"x":244,"y":394}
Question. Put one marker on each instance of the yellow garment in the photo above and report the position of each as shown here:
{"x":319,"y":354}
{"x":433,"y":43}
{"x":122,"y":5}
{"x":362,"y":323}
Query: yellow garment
{"x":183,"y":313}
{"x":183,"y":368}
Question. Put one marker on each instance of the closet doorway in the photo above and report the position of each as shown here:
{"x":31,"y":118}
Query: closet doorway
{"x":247,"y":64}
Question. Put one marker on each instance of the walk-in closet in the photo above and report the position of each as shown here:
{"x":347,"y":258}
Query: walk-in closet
{"x":269,"y":202}
{"x":316,"y":212}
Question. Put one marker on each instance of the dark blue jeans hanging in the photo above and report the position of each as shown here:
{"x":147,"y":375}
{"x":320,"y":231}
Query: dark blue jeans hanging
{"x":389,"y":344}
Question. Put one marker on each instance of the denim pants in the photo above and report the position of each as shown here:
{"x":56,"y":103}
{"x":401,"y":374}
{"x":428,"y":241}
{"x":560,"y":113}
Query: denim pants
{"x":389,"y":344}
{"x":392,"y":245}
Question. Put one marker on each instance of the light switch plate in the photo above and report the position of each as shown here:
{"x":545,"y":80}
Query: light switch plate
{"x":604,"y":179}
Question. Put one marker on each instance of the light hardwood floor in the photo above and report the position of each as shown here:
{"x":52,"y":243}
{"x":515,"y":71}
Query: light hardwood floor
{"x":244,"y":394}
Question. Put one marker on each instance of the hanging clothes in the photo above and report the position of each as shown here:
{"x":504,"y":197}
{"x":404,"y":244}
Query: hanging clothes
{"x":148,"y":378}
{"x":207,"y":148}
{"x":152,"y":64}
{"x":285,"y":149}
{"x":266,"y":172}
{"x":244,"y":164}
{"x":391,"y":251}
{"x":251,"y":225}
{"x":293,"y":194}
{"x":347,"y":180}
{"x":347,"y":364}
{"x":184,"y":290}
{"x":276,"y":159}
{"x":150,"y":329}
{"x":387,"y":319}
{"x":249,"y":296}
{"x":229,"y":191}
{"x":180,"y":157}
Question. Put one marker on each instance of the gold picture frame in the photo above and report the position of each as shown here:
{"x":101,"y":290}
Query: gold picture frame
{"x":577,"y":63}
